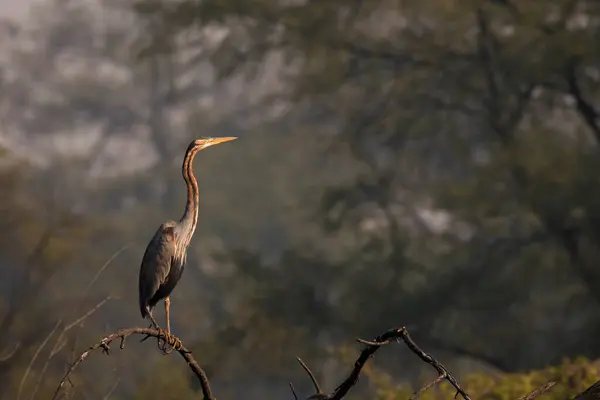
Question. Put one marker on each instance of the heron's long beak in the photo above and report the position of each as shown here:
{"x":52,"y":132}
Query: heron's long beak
{"x":218,"y":140}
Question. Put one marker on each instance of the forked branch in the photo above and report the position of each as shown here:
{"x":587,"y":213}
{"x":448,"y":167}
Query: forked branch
{"x":395,"y":335}
{"x":371,"y":347}
{"x":123,"y":334}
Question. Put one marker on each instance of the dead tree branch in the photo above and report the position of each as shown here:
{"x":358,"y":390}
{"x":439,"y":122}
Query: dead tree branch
{"x":591,"y":393}
{"x":388,"y":337}
{"x":395,"y":335}
{"x":123,"y":334}
{"x":538,"y":392}
{"x":60,"y":341}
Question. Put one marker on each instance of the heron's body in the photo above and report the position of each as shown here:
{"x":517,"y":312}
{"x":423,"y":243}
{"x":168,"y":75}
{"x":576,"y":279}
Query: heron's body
{"x":158,"y":283}
{"x":164,"y":260}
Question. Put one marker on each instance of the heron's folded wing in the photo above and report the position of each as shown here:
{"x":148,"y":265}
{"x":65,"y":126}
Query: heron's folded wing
{"x":157,"y":261}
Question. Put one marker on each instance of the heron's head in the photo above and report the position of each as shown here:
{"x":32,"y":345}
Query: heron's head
{"x":201,"y":144}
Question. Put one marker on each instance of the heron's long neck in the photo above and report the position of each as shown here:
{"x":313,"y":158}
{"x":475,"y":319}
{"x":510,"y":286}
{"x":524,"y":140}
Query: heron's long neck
{"x":190,"y":216}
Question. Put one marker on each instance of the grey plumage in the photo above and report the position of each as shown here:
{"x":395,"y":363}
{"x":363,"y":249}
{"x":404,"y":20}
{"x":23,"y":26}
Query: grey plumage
{"x":161,"y":267}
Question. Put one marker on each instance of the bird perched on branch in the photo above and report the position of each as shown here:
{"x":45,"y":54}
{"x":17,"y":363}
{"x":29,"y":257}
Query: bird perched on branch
{"x":165,"y":256}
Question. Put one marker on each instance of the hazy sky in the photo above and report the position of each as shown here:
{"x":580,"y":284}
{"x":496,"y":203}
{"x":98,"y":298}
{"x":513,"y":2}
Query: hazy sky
{"x":14,"y":8}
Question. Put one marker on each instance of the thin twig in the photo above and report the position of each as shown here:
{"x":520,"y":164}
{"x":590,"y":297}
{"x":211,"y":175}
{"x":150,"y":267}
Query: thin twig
{"x":86,"y":315}
{"x":310,"y":375}
{"x":368,"y":343}
{"x":425,"y":388}
{"x":403,"y":334}
{"x":112,"y":389}
{"x":41,"y":376}
{"x":104,"y":344}
{"x":103,"y":267}
{"x":35,"y":356}
{"x":9,"y":354}
{"x":61,"y":342}
{"x":293,"y":391}
{"x":538,"y":392}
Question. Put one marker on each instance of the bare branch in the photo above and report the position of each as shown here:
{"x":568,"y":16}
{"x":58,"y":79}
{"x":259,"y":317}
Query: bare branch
{"x":403,"y":334}
{"x":35,"y":356}
{"x":59,"y":344}
{"x":80,"y":320}
{"x":122,"y":334}
{"x":61,"y":341}
{"x":311,"y":376}
{"x":9,"y":354}
{"x":386,"y":338}
{"x":111,"y":391}
{"x":293,"y":391}
{"x":593,"y":392}
{"x":425,"y":388}
{"x":103,"y":267}
{"x":538,"y":392}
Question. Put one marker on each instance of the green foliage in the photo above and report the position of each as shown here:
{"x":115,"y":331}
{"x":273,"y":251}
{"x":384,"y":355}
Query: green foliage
{"x":571,"y":377}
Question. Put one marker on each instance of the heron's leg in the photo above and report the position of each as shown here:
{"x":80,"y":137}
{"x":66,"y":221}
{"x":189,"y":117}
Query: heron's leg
{"x":167,"y":316}
{"x":174,"y":342}
{"x":152,"y":318}
{"x":158,"y":328}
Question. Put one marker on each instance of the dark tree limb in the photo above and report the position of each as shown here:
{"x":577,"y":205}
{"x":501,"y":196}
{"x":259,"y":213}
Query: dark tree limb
{"x":314,"y":381}
{"x":293,"y":391}
{"x":591,"y":393}
{"x":122,"y":334}
{"x":388,"y":337}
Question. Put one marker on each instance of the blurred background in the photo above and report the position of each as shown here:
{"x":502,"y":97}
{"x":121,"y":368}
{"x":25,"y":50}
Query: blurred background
{"x":421,"y":163}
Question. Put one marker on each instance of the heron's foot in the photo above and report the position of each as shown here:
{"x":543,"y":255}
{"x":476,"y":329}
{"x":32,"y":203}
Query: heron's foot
{"x":152,"y":326}
{"x":170,"y":342}
{"x":163,"y":336}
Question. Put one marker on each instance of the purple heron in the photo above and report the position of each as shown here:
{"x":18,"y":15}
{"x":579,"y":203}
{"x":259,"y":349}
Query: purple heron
{"x":164,"y":259}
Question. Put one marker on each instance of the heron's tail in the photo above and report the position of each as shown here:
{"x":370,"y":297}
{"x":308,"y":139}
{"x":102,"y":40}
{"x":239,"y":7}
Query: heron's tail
{"x":143,"y":308}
